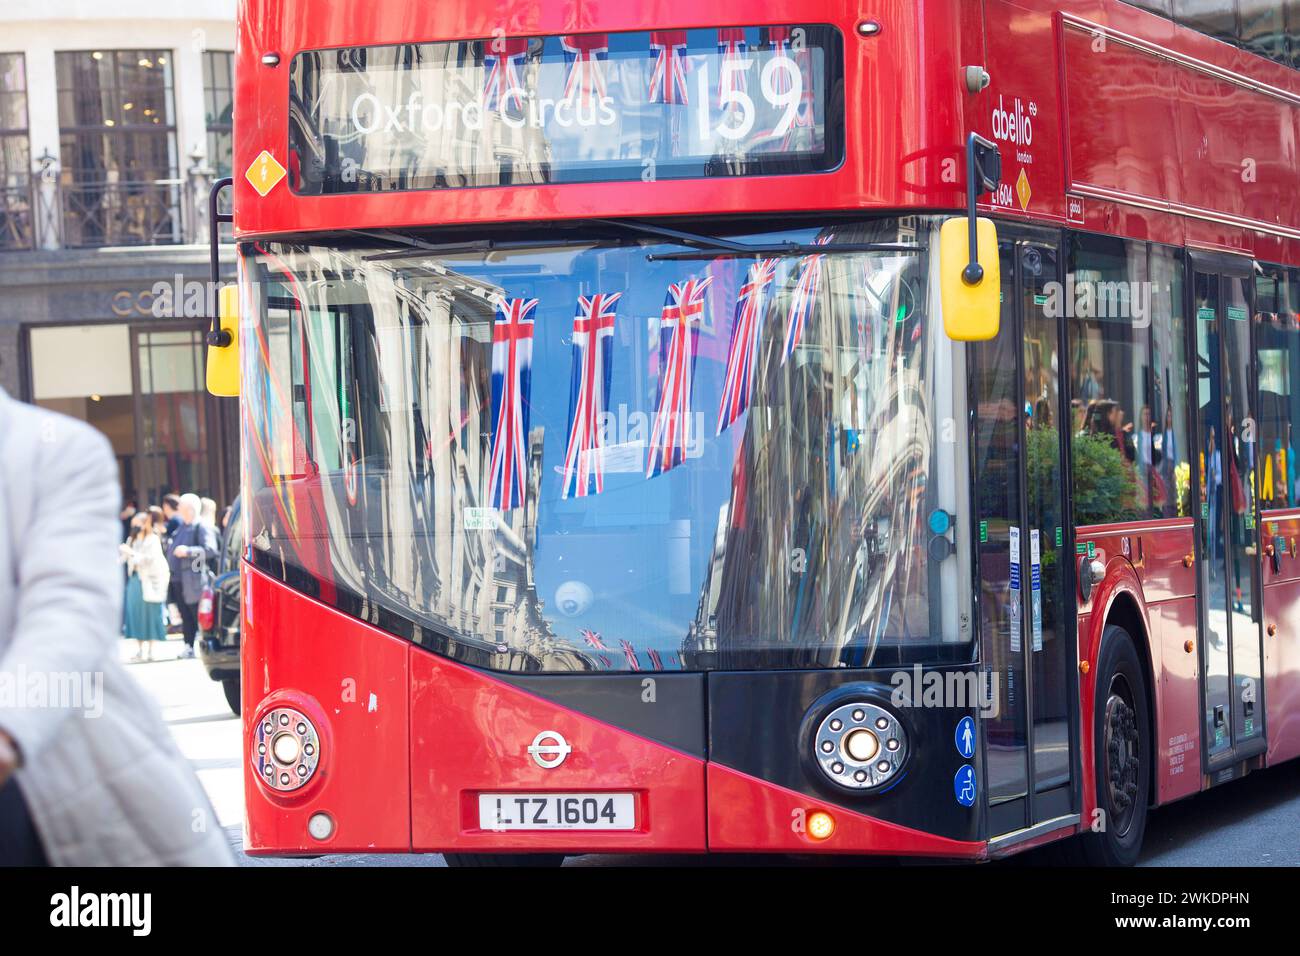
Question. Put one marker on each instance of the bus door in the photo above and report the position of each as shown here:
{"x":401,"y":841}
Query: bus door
{"x":1232,"y":687}
{"x":1024,"y":574}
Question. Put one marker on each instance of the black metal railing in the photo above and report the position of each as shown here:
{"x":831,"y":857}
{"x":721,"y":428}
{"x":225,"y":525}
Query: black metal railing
{"x":122,"y":213}
{"x":18,"y":206}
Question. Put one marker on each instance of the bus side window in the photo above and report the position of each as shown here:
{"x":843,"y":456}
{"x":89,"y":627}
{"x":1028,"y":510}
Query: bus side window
{"x":1111,"y":390}
{"x":1278,"y":365}
{"x":286,"y":386}
{"x":1169,"y":441}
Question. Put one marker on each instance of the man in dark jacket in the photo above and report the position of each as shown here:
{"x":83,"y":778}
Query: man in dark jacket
{"x":171,"y":507}
{"x":192,"y":555}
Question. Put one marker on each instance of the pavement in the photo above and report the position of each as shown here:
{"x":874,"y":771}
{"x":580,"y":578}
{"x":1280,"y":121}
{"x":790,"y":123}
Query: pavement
{"x":1250,"y":822}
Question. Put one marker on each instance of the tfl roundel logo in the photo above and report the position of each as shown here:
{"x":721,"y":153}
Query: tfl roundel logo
{"x":549,"y":749}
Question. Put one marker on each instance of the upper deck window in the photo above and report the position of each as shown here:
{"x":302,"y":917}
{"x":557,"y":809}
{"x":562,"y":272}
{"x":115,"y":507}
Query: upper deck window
{"x":1270,"y":28}
{"x":662,"y":104}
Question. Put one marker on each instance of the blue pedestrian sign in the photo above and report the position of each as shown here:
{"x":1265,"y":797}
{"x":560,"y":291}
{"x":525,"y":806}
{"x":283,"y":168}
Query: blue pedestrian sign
{"x":963,"y":786}
{"x":964,"y":737}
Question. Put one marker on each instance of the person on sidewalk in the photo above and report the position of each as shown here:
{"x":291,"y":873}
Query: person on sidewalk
{"x":171,"y":510}
{"x":91,"y":778}
{"x":146,"y":586}
{"x":194,"y":554}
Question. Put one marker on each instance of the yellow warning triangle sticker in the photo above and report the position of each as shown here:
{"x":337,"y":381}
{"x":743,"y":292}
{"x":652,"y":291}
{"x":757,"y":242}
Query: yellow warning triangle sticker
{"x":264,"y":173}
{"x":1023,"y":192}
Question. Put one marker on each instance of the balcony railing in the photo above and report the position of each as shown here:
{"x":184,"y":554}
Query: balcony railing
{"x":51,"y":212}
{"x":145,"y":213}
{"x":18,"y":216}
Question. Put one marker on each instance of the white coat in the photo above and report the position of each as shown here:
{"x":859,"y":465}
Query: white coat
{"x":100,"y":772}
{"x":146,"y":559}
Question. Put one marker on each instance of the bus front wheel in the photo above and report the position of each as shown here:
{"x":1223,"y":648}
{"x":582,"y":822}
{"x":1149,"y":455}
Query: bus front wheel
{"x":1121,"y":755}
{"x":230,"y":687}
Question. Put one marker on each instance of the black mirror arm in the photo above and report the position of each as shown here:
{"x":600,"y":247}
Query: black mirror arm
{"x":973,"y":274}
{"x":217,"y":337}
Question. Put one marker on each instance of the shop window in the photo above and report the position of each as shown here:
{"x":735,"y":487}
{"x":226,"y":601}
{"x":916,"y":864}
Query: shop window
{"x":117,"y":129}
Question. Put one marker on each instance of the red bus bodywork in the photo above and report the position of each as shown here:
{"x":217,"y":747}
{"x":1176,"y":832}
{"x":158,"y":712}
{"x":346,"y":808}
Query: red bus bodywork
{"x":1138,"y":152}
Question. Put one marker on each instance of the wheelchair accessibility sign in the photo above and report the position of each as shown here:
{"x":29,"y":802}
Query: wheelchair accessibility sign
{"x":963,"y":786}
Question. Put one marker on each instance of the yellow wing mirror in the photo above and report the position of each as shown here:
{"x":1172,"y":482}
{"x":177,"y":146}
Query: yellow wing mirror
{"x":971,"y":312}
{"x":970,"y":284}
{"x":223,"y":345}
{"x":223,"y":336}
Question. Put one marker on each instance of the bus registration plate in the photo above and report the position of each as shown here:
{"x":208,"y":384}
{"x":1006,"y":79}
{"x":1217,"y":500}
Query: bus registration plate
{"x":556,"y":811}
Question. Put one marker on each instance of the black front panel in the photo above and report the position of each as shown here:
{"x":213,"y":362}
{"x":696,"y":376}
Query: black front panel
{"x":665,"y":708}
{"x":758,"y":725}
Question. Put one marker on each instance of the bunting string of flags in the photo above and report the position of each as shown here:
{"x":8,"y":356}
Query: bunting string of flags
{"x":678,"y":327}
{"x":587,"y":57}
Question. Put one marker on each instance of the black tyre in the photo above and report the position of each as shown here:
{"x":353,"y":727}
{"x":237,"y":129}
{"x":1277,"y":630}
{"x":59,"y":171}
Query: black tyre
{"x":231,"y":686}
{"x":1122,"y":755}
{"x":504,"y":859}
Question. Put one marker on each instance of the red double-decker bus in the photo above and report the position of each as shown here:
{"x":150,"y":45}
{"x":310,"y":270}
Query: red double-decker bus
{"x":797,"y":427}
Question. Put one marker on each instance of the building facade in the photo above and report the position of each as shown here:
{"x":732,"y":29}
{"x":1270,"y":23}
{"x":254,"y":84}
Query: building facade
{"x":115,"y":119}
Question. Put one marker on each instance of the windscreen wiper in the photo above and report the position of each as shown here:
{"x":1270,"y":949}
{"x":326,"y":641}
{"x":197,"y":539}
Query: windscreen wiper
{"x":715,"y":247}
{"x":711,"y":244}
{"x":406,"y":245}
{"x":787,"y":249}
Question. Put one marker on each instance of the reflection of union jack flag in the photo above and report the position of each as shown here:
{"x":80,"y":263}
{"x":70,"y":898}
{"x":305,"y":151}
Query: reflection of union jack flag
{"x":804,"y":302}
{"x":656,"y":662}
{"x":605,"y":660}
{"x":668,"y":79}
{"x":512,"y":366}
{"x":593,"y":640}
{"x":503,"y":58}
{"x":585,"y":85}
{"x":731,"y":49}
{"x":804,"y":117}
{"x":593,"y":342}
{"x":630,"y":653}
{"x":863,"y":304}
{"x":742,"y":354}
{"x":779,"y":39}
{"x":669,"y":437}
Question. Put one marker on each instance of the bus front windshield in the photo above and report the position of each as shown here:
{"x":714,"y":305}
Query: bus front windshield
{"x":613,"y":454}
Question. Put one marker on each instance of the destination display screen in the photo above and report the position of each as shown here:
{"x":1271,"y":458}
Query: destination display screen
{"x":596,"y":107}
